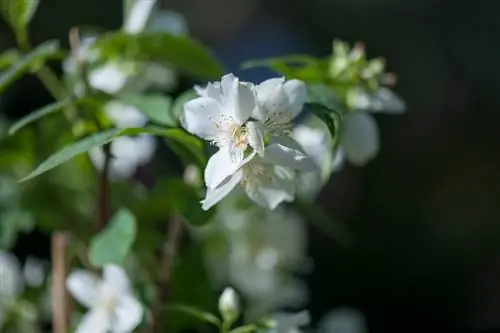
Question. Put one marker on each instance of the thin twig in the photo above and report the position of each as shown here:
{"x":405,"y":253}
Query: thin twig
{"x":103,"y":196}
{"x":165,"y":270}
{"x":60,"y":316}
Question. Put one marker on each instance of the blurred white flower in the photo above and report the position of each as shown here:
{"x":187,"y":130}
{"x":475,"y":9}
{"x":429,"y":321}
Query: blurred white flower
{"x":280,"y":102}
{"x":34,"y":271}
{"x":11,"y":283}
{"x":127,"y":154}
{"x":360,"y":138}
{"x":110,"y":300}
{"x":110,"y":77}
{"x":123,"y":115}
{"x":290,"y":322}
{"x":343,"y":320}
{"x":169,"y":21}
{"x":268,"y":180}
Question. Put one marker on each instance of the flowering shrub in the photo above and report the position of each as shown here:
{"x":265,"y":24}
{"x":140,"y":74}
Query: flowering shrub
{"x":253,"y":156}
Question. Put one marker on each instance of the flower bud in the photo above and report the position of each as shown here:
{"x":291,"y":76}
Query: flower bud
{"x":229,"y":305}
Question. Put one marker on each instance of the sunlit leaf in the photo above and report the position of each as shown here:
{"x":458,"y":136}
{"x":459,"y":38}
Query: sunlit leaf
{"x":179,"y":52}
{"x":113,"y":243}
{"x":41,"y":53}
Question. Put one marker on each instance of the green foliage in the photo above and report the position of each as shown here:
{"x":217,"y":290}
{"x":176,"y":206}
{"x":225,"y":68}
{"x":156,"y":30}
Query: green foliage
{"x":29,"y":62}
{"x":9,"y":58}
{"x":113,"y":244}
{"x":39,"y":114}
{"x":201,"y":315}
{"x":179,"y":52}
{"x":156,"y":107}
{"x":18,"y":13}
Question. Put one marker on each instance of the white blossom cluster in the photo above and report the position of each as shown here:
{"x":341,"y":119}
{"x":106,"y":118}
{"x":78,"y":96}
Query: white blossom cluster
{"x":251,"y":125}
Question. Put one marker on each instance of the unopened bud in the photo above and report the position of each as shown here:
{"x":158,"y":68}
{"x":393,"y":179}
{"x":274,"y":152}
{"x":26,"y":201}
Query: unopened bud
{"x":229,"y":305}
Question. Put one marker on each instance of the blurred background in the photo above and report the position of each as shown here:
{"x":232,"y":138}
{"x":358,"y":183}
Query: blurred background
{"x":424,"y":215}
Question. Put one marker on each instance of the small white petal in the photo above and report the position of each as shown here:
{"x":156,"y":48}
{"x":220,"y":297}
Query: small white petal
{"x":215,"y":195}
{"x":383,"y":100}
{"x":212,"y":90}
{"x":11,"y":283}
{"x":169,"y":21}
{"x":95,"y":321}
{"x":255,"y":131}
{"x":138,"y":16}
{"x":83,"y":285}
{"x":109,"y":78}
{"x":115,"y":280}
{"x":265,"y":88}
{"x":297,"y":95}
{"x":360,"y":138}
{"x":127,"y":315}
{"x":199,"y":116}
{"x":279,"y":154}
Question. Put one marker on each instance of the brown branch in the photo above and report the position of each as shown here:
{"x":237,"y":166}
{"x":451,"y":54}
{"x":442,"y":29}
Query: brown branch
{"x":60,"y":299}
{"x":165,"y":270}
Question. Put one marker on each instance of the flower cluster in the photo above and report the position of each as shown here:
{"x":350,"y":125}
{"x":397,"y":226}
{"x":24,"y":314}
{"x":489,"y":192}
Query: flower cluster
{"x":251,"y":126}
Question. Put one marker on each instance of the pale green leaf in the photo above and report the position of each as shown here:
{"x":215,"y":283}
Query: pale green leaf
{"x":156,"y":107}
{"x":113,"y":243}
{"x":41,"y":53}
{"x":18,"y":12}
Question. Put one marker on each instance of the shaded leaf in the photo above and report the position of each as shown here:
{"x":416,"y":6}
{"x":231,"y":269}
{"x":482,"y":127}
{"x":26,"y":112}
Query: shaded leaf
{"x":179,"y":52}
{"x":113,"y":243}
{"x":41,"y":53}
{"x":197,"y":313}
{"x":38,"y":114}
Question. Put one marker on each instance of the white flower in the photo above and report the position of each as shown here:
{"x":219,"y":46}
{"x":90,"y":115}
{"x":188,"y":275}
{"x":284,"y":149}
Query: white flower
{"x":127,"y":153}
{"x":268,"y":180}
{"x":220,"y":115}
{"x":110,"y":77}
{"x":111,"y":303}
{"x":290,"y":322}
{"x":360,"y":138}
{"x":34,"y":271}
{"x":280,"y":102}
{"x":123,"y":115}
{"x":11,"y":283}
{"x":343,"y":320}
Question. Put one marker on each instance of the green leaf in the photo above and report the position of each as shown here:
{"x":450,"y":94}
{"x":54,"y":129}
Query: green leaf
{"x":291,"y":60}
{"x":179,"y":102}
{"x":41,"y":53}
{"x":332,"y":119}
{"x":179,"y":52}
{"x":197,"y":313}
{"x":245,"y":329}
{"x":18,"y":13}
{"x":113,"y":243}
{"x":38,"y":114}
{"x":9,"y":58}
{"x":12,"y":222}
{"x":72,"y":150}
{"x":156,"y":107}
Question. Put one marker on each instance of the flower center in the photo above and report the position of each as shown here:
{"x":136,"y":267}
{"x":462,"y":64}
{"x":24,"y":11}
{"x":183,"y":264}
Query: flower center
{"x":279,"y":123}
{"x":229,"y":132}
{"x":255,"y":173}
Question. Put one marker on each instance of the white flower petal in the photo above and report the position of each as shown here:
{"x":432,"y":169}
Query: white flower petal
{"x":212,"y":90}
{"x":109,"y":78}
{"x":115,"y":280}
{"x":83,"y":285}
{"x":360,"y":138}
{"x":238,"y":99}
{"x":297,"y":95}
{"x":255,"y":131}
{"x":199,"y":116}
{"x":167,"y":21}
{"x":11,"y":283}
{"x":215,"y":195}
{"x":95,"y":321}
{"x":383,"y":100}
{"x":127,"y":315}
{"x":221,"y":165}
{"x":279,"y":154}
{"x":271,"y":193}
{"x":265,"y":88}
{"x":146,"y":147}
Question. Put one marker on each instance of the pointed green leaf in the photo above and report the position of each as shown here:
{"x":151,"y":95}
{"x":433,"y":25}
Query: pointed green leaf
{"x":156,"y":107}
{"x":38,"y":114}
{"x":9,"y":58}
{"x":41,"y":53}
{"x":113,"y":243}
{"x":179,"y":52}
{"x":18,"y":13}
{"x":72,"y":150}
{"x":197,"y":313}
